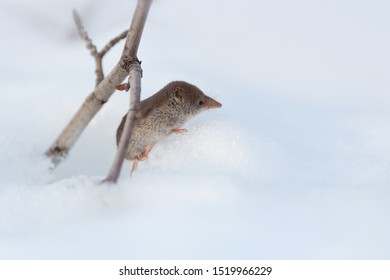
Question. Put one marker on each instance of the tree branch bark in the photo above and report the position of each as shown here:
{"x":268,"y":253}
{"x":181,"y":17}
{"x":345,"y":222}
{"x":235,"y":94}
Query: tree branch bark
{"x":103,"y":91}
{"x":113,"y":42}
{"x":131,"y":120}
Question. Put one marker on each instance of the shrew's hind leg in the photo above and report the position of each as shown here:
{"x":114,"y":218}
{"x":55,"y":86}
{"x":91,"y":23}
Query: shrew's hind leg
{"x":141,"y":157}
{"x":179,"y":130}
{"x":134,"y":166}
{"x":145,"y":154}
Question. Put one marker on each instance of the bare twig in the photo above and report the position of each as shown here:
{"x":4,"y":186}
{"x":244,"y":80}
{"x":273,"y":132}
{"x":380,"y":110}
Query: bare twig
{"x":98,"y":56}
{"x":131,"y":120}
{"x":131,"y":62}
{"x":103,"y":91}
{"x":84,"y":35}
{"x":113,"y":42}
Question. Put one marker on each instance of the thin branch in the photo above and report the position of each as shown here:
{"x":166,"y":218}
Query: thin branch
{"x":113,"y":42}
{"x":133,"y":65}
{"x":84,"y":35}
{"x":98,"y":56}
{"x":131,"y":120}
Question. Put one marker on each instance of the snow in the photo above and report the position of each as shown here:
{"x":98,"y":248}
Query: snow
{"x":295,"y":165}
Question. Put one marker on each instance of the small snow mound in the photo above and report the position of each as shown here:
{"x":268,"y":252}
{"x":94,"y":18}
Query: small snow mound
{"x":215,"y":146}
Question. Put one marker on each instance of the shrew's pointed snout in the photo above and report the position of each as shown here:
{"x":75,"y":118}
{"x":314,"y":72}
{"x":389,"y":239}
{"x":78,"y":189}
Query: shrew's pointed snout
{"x":210,"y":103}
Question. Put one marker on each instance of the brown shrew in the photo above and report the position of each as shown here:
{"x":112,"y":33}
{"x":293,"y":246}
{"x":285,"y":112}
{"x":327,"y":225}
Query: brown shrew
{"x":162,"y":114}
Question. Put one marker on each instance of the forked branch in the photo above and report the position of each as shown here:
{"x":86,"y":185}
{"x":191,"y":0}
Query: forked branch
{"x":98,"y":56}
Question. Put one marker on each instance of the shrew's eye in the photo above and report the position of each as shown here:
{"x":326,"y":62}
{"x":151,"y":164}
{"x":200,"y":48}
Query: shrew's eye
{"x":200,"y":102}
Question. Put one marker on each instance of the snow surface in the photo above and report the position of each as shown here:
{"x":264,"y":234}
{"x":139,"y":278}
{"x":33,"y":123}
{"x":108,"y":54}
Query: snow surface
{"x":295,"y":165}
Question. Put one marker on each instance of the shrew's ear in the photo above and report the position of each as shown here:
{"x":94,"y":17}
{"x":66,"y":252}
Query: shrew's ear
{"x":178,"y":95}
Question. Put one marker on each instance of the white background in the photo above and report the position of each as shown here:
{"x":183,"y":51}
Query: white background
{"x":293,"y":269}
